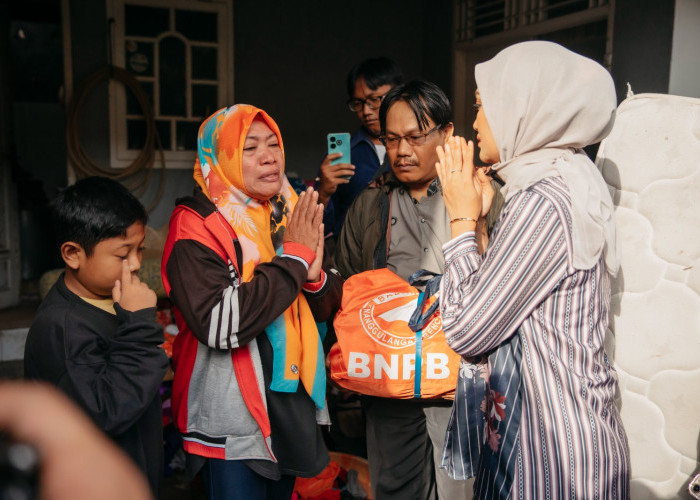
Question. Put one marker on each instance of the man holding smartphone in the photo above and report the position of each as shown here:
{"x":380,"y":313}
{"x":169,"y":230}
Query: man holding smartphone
{"x":338,"y":185}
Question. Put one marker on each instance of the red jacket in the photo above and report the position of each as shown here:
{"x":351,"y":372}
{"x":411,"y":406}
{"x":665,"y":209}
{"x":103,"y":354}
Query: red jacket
{"x":219,"y":391}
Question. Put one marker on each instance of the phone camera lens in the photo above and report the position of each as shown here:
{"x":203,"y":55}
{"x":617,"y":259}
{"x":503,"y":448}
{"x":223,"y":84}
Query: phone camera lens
{"x":332,"y":138}
{"x":339,"y":142}
{"x":332,"y":146}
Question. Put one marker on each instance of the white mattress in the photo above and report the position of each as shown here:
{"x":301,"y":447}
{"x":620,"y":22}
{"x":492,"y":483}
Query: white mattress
{"x":651,"y":160}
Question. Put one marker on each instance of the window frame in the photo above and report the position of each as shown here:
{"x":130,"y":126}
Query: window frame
{"x":120,"y":155}
{"x":466,"y":53}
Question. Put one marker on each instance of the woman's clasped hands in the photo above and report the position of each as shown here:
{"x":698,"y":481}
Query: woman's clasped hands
{"x":305,"y":226}
{"x":466,"y":189}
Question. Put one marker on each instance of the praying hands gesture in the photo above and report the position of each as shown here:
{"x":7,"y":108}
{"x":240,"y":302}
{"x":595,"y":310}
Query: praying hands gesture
{"x":467,"y":190}
{"x":305,"y":226}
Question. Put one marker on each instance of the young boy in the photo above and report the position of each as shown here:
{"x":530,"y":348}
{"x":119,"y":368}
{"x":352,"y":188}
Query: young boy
{"x":95,"y":334}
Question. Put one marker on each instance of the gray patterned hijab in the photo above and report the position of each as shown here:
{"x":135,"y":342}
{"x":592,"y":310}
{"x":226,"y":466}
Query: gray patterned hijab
{"x":544,"y":103}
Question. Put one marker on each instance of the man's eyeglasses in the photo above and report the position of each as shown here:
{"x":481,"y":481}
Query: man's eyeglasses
{"x":393,"y":141}
{"x":373,"y":101}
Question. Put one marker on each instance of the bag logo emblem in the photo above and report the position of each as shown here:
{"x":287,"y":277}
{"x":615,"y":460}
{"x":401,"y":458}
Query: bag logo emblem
{"x":385,"y":317}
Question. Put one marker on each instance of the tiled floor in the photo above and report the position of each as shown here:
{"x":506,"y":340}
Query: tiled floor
{"x":14,"y":324}
{"x":12,"y":343}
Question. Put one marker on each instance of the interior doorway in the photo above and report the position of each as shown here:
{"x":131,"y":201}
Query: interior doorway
{"x":9,"y":219}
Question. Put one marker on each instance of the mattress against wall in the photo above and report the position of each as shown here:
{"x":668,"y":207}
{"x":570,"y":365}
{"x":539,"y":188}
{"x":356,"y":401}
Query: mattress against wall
{"x":651,"y":161}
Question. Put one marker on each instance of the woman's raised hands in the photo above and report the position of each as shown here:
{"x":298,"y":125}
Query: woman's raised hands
{"x":305,"y":226}
{"x":467,"y":190}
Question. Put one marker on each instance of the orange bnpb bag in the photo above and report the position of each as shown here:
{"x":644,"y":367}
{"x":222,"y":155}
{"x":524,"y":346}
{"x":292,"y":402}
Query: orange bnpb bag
{"x":390,"y":339}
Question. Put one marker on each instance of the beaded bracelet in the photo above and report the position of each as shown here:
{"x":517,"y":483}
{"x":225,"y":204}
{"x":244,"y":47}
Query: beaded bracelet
{"x":458,"y":219}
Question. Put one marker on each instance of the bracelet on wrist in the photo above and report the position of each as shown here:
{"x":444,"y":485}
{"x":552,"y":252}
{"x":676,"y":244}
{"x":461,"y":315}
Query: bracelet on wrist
{"x":460,"y":219}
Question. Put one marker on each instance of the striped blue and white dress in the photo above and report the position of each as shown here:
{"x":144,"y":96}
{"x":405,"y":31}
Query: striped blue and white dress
{"x":547,"y":426}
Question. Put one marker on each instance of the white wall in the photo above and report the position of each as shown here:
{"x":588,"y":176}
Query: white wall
{"x":685,"y":55}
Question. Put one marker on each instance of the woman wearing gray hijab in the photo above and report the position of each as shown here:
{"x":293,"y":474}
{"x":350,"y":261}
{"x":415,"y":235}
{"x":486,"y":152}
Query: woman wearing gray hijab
{"x":534,"y":414}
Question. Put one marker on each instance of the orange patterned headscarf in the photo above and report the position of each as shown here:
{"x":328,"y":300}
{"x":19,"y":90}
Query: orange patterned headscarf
{"x":219,"y":172}
{"x":259,"y":226}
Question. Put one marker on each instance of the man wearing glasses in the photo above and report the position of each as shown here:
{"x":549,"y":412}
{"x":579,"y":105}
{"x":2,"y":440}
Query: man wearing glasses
{"x":401,"y":223}
{"x":339,"y":185}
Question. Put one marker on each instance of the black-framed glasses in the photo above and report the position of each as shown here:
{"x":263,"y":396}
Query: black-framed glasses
{"x":373,"y":101}
{"x":393,"y":141}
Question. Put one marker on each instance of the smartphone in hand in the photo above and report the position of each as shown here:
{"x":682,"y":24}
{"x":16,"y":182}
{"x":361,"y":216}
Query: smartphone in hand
{"x":339,"y":142}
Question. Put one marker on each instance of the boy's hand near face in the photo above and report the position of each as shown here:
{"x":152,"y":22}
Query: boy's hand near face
{"x":131,"y":293}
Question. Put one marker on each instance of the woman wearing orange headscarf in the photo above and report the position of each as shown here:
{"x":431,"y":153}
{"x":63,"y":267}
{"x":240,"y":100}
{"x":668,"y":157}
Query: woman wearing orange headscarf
{"x":243,"y":267}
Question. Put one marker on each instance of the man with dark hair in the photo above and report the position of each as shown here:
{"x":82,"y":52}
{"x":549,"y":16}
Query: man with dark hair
{"x":401,"y":224}
{"x":339,"y":185}
{"x":95,"y":336}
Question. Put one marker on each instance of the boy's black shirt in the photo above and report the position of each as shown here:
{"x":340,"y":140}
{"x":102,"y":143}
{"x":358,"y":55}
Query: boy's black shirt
{"x":111,"y":365}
